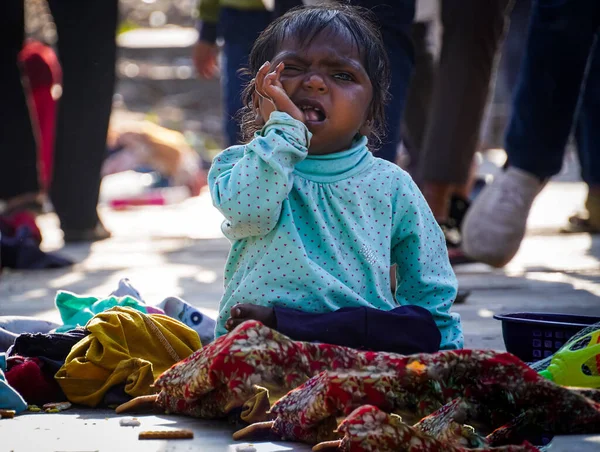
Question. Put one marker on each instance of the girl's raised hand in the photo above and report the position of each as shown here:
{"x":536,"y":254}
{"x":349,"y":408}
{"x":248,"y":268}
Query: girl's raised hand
{"x":269,"y":86}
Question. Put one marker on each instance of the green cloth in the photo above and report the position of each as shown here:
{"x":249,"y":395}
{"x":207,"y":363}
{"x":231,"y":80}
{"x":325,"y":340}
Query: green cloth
{"x":76,"y":310}
{"x":208,"y":10}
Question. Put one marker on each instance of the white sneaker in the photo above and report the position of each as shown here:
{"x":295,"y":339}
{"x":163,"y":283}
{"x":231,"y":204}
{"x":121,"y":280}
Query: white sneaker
{"x":495,"y":223}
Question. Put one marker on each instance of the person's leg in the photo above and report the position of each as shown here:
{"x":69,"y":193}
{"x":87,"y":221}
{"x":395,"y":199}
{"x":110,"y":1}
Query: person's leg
{"x":472,"y":34}
{"x":18,"y":163}
{"x":418,"y":97}
{"x":587,"y":135}
{"x":559,"y":41}
{"x":239,"y":30}
{"x":87,"y":52}
{"x":560,"y":37}
{"x":513,"y":51}
{"x":395,"y":24}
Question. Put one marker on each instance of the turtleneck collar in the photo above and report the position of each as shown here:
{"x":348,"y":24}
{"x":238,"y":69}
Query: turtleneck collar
{"x":337,"y":166}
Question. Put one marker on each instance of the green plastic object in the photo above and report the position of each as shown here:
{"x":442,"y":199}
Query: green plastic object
{"x":577,"y":363}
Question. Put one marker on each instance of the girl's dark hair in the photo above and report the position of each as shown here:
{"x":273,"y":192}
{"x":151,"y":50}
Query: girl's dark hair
{"x":304,"y":24}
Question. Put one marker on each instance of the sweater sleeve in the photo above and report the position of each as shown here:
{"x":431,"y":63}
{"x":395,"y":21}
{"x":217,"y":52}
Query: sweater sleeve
{"x":405,"y":330}
{"x":249,"y":183}
{"x":424,"y":275}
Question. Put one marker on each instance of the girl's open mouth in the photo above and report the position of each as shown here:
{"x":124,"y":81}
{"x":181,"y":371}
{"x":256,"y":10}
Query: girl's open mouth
{"x":313,"y":114}
{"x":312,"y":109}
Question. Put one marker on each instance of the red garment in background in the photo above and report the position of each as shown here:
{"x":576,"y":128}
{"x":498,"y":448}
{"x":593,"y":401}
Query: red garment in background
{"x":42,"y":71}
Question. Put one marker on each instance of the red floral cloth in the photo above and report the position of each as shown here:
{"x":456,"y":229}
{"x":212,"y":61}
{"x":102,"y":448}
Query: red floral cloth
{"x":368,"y":429}
{"x":324,"y":382}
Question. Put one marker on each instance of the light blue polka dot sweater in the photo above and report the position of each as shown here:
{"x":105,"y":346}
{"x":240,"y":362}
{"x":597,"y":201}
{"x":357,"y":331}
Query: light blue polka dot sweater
{"x":318,"y":233}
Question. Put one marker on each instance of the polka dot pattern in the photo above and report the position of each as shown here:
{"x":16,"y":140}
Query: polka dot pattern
{"x":318,"y":233}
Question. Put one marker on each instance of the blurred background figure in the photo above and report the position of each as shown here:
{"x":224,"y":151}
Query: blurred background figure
{"x":446,"y":104}
{"x":238,"y":23}
{"x":87,"y":52}
{"x":395,"y":19}
{"x":558,"y":88}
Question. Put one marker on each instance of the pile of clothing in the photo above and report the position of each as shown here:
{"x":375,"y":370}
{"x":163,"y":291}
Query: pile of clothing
{"x":107,"y":351}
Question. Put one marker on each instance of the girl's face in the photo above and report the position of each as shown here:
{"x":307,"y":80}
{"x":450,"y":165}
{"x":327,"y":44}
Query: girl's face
{"x":326,"y":79}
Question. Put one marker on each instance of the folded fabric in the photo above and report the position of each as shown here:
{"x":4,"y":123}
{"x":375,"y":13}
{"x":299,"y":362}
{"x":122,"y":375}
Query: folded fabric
{"x":76,"y":310}
{"x":256,"y":408}
{"x":9,"y":398}
{"x":33,"y":380}
{"x":368,"y":429}
{"x":53,"y":346}
{"x":124,"y":346}
{"x":323,"y":382}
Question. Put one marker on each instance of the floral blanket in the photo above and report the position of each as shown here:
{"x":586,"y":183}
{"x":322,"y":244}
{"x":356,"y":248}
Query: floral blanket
{"x":385,"y":401}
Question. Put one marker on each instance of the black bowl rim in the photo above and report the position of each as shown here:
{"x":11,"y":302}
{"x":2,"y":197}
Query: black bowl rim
{"x":510,"y":319}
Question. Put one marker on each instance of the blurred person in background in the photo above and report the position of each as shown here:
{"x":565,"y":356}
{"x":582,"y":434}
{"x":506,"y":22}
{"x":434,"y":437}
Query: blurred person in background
{"x":238,"y":23}
{"x":588,"y":218}
{"x":446,"y":105}
{"x":395,"y":19}
{"x":558,"y":88}
{"x":87,"y":52}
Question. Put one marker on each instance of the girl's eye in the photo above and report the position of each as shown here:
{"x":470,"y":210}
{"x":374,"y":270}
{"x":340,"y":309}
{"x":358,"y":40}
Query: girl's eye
{"x":291,"y":68}
{"x":344,"y":76}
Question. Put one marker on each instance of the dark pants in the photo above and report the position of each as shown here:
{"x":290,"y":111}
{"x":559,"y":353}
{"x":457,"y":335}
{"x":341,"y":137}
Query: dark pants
{"x":239,"y":29}
{"x":87,"y":52}
{"x":445,"y":140}
{"x":394,"y":19}
{"x":560,"y":71}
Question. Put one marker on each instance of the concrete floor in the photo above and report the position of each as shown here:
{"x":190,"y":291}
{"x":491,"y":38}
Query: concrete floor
{"x":87,"y":430}
{"x":84,"y":430}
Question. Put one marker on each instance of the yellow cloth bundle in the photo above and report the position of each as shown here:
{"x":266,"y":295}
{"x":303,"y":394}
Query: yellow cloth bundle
{"x":124,"y":346}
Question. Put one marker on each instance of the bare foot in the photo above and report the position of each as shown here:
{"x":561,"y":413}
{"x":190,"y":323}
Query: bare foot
{"x":242,"y":312}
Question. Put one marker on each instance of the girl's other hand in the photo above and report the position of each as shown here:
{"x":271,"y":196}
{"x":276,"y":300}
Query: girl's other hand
{"x":269,"y":87}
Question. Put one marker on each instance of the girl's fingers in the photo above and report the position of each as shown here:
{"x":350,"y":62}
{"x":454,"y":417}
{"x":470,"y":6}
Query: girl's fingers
{"x":270,"y":79}
{"x":269,"y":86}
{"x":260,"y":77}
{"x":274,"y":76}
{"x":279,"y":69}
